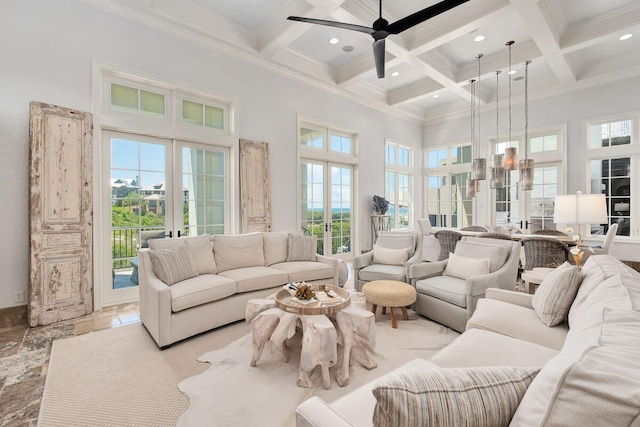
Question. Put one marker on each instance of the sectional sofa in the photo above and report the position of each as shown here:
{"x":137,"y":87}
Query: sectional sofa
{"x":583,"y":372}
{"x":231,"y":269}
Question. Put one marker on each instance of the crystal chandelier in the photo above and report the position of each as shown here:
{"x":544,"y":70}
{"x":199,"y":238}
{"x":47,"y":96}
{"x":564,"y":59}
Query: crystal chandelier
{"x":497,"y":160}
{"x":479,"y":165}
{"x":526,"y":166}
{"x":510,"y":153}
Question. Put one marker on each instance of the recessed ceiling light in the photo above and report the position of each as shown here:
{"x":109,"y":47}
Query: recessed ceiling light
{"x":478,"y":38}
{"x":626,"y":36}
{"x":333,"y":40}
{"x":436,"y":96}
{"x":347,"y":48}
{"x":512,"y":72}
{"x":395,"y":74}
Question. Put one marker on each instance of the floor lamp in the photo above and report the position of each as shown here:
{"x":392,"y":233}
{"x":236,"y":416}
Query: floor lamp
{"x":580,"y":209}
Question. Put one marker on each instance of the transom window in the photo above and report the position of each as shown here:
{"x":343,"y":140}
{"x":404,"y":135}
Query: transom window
{"x":327,"y":139}
{"x":137,"y":101}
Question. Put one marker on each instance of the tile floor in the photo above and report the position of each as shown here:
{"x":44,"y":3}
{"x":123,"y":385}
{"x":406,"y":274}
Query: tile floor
{"x":24,"y":359}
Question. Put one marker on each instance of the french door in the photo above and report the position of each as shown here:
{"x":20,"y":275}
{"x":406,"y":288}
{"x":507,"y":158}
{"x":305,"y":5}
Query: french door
{"x":532,"y":210}
{"x":326,"y":194}
{"x":158,"y":188}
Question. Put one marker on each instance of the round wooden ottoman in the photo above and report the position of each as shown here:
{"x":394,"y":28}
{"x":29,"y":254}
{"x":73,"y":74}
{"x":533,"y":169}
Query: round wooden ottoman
{"x":392,"y":294}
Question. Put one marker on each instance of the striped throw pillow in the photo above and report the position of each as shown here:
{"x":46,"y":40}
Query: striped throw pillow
{"x":556,"y":293}
{"x":173,"y":265}
{"x":301,"y":248}
{"x":482,"y":397}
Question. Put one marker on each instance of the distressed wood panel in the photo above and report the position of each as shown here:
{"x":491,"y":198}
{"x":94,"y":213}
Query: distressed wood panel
{"x":60,"y":209}
{"x":255,"y":186}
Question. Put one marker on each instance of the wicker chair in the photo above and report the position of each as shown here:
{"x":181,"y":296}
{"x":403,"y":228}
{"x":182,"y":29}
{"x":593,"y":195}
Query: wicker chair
{"x":448,"y":240}
{"x":543,"y":252}
{"x":502,"y":236}
{"x":475,"y":228}
{"x":549,"y":232}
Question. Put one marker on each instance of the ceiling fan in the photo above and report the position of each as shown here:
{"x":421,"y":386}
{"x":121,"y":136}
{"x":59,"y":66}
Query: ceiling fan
{"x":381,"y":27}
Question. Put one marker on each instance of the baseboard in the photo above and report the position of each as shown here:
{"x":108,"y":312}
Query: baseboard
{"x":13,"y":316}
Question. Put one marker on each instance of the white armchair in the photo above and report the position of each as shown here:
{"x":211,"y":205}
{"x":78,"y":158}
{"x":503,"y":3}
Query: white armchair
{"x":368,"y":267}
{"x":450,"y":300}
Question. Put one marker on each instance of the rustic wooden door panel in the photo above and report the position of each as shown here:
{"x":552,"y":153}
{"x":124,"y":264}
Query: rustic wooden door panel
{"x":60,"y":283}
{"x":255,"y":186}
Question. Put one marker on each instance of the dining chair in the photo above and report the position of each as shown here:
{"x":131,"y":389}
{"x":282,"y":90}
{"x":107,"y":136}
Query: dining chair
{"x":543,"y":252}
{"x":448,"y":240}
{"x":548,"y":232}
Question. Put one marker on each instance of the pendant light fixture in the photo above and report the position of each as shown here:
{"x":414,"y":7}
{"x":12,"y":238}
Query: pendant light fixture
{"x":510,"y":153}
{"x":526,"y":167}
{"x":497,"y":160}
{"x":472,"y":183}
{"x":479,"y":164}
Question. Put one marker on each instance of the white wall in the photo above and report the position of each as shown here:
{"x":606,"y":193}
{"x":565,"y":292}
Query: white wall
{"x":46,"y":54}
{"x":572,"y":109}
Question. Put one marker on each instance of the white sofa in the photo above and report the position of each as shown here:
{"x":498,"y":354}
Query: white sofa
{"x":232,"y":269}
{"x":576,"y":375}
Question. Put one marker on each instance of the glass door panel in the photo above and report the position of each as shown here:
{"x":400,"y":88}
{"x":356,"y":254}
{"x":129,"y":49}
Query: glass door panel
{"x":507,"y":205}
{"x":204,"y":192}
{"x":340,"y":228}
{"x":138,"y":207}
{"x":312,"y":202}
{"x":542,"y":198}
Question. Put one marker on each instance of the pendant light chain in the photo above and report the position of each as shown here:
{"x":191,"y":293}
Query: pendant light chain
{"x":478,"y":90}
{"x":473,"y":118}
{"x":497,"y":106}
{"x":509,"y":73}
{"x":526,"y":109}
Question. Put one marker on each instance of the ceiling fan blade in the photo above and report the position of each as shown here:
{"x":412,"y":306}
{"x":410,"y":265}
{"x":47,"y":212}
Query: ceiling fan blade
{"x":352,"y":27}
{"x":422,"y":15}
{"x":378,"y":56}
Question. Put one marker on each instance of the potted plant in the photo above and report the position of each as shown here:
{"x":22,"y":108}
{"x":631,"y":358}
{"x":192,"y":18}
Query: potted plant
{"x":380,"y":205}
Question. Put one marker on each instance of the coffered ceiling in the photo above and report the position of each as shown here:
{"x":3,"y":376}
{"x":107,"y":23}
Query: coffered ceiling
{"x":572,"y":43}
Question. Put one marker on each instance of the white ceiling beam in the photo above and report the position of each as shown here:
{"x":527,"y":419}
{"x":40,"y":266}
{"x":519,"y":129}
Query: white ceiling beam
{"x":543,"y":33}
{"x":279,"y":32}
{"x":599,"y":28}
{"x":412,"y":92}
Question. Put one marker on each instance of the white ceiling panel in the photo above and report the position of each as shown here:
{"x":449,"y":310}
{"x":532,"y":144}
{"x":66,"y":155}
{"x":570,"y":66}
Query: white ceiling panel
{"x":253,"y":14}
{"x":407,"y":74}
{"x":580,"y":10}
{"x":607,"y":49}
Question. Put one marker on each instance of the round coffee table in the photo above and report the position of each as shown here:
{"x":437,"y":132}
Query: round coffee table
{"x":392,"y":294}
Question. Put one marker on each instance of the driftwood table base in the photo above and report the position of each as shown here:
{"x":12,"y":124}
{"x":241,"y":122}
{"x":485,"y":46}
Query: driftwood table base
{"x":355,"y":332}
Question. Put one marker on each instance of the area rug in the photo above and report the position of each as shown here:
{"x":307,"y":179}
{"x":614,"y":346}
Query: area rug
{"x":231,"y":393}
{"x":119,"y":377}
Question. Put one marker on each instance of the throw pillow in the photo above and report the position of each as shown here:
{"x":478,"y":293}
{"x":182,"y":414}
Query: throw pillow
{"x":173,"y":265}
{"x":275,"y":247}
{"x":556,"y":293}
{"x":238,"y":251}
{"x":594,"y":381}
{"x":388,"y":256}
{"x":464,"y":267}
{"x":497,"y":254}
{"x":451,"y":396}
{"x":302,"y":248}
{"x":201,"y":250}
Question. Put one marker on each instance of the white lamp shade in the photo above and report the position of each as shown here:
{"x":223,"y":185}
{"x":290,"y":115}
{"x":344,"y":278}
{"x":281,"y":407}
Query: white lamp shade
{"x":580,"y":209}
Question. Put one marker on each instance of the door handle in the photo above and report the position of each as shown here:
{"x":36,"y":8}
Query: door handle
{"x":326,"y":227}
{"x":178,"y":233}
{"x":170,"y":234}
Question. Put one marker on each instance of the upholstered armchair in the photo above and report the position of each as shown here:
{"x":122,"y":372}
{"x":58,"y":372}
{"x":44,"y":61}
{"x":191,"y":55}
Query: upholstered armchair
{"x":448,"y":290}
{"x":389,"y":259}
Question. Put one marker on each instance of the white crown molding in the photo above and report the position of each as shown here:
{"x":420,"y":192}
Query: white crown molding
{"x":278,"y":32}
{"x":628,"y":62}
{"x":440,"y":62}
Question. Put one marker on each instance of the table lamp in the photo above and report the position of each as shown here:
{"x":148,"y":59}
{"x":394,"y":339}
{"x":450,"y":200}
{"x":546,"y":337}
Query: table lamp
{"x":580,"y":209}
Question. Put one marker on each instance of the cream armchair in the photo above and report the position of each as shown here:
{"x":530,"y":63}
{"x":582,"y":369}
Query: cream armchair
{"x":450,"y":300}
{"x":372,"y":265}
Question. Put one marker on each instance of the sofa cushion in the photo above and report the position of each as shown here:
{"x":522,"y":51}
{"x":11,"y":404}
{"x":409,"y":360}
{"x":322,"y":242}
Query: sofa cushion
{"x":275,"y":247}
{"x":382,"y":272}
{"x":594,"y":381}
{"x":242,"y":250}
{"x":173,"y":265}
{"x":497,"y":350}
{"x":497,"y":254}
{"x":254,"y":278}
{"x":299,"y":271}
{"x":201,"y":250}
{"x":523,"y":323}
{"x":445,"y":288}
{"x":398,"y":240}
{"x":200,"y":290}
{"x":357,"y":406}
{"x":388,"y":256}
{"x":464,"y":267}
{"x":556,"y":293}
{"x":596,"y":270}
{"x":302,"y":248}
{"x":451,"y":397}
